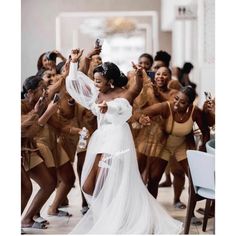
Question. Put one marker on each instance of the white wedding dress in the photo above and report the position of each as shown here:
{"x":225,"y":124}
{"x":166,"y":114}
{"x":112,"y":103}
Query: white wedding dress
{"x":121,"y":204}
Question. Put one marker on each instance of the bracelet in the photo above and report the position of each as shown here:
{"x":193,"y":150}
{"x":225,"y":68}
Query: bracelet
{"x":89,"y":58}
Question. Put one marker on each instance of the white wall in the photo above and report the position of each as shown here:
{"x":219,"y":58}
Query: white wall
{"x":80,"y":29}
{"x":193,"y":40}
{"x":39,"y":17}
{"x":206,"y":47}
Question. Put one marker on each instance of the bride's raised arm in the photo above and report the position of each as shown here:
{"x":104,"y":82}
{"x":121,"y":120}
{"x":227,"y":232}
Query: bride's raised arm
{"x":78,"y":85}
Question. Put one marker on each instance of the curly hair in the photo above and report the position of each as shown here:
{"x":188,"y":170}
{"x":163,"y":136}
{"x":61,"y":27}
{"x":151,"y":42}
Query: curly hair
{"x":163,"y":56}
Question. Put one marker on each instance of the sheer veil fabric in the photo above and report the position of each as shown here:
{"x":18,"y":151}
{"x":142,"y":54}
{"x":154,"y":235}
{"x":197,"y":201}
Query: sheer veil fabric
{"x":121,"y":204}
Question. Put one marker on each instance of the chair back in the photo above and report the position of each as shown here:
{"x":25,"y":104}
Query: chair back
{"x":210,"y":146}
{"x":202,"y":169}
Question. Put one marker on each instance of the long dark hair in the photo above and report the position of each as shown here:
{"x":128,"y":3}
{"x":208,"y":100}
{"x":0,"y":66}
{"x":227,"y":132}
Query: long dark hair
{"x":32,"y":83}
{"x":184,"y":71}
{"x":163,"y":56}
{"x":111,"y":72}
{"x":40,"y":63}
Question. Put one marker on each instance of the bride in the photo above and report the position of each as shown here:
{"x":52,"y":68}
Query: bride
{"x":119,"y":202}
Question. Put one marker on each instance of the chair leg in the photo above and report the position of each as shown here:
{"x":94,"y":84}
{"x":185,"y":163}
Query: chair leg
{"x":191,"y":204}
{"x":214,"y":229}
{"x":190,"y":209}
{"x":206,"y":214}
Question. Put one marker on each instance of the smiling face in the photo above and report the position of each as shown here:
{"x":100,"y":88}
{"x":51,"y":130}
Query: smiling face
{"x":181,"y":102}
{"x":101,"y":83}
{"x":49,"y":77}
{"x":162,"y":77}
{"x":145,"y":63}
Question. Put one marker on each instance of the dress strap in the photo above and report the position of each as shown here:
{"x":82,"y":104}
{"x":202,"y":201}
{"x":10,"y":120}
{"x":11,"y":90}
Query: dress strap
{"x":169,"y":107}
{"x":192,"y":110}
{"x":170,"y":121}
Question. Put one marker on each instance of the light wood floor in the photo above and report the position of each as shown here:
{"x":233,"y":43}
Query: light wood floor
{"x":63,"y":225}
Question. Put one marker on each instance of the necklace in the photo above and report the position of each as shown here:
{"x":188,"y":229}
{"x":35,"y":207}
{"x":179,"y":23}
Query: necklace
{"x":181,"y":117}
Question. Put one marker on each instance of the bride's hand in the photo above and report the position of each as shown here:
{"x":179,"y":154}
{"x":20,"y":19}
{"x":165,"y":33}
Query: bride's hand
{"x":76,"y":54}
{"x":103,"y":107}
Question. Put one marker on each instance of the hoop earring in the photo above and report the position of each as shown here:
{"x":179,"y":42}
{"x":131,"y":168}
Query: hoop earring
{"x":112,"y":86}
{"x":187,"y":110}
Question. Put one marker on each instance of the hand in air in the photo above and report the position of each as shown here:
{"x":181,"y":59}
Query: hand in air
{"x":58,"y":53}
{"x":138,"y":69}
{"x":103,"y":107}
{"x":95,"y":51}
{"x":66,"y":69}
{"x":209,"y":106}
{"x":76,"y":54}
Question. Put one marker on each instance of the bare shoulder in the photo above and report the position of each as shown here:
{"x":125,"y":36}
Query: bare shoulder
{"x":174,"y":84}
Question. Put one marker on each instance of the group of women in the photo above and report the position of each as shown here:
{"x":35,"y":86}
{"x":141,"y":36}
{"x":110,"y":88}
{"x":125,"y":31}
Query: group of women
{"x":137,"y":125}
